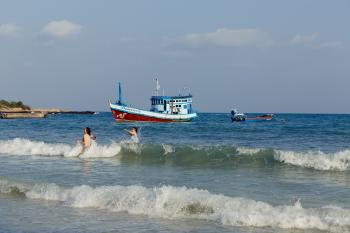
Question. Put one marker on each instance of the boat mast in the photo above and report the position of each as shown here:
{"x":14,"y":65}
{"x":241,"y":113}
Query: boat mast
{"x":120,"y":94}
{"x":157,"y":86}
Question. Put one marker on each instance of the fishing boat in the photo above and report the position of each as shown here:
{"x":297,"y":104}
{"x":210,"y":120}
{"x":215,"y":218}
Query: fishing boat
{"x":163,"y":108}
{"x":241,"y":117}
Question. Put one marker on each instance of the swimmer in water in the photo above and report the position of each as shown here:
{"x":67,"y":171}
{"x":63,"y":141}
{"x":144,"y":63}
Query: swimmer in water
{"x":87,"y":139}
{"x":133,"y":134}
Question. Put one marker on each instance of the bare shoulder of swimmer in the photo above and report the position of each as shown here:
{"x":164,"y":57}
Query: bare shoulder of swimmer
{"x":87,"y":140}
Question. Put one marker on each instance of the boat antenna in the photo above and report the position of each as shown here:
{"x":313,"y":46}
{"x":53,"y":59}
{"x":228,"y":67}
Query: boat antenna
{"x":120,"y":93}
{"x":189,"y":90}
{"x":157,"y":86}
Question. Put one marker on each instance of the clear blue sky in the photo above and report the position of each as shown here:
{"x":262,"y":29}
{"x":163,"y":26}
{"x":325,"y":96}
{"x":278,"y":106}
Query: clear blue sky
{"x":257,"y":56}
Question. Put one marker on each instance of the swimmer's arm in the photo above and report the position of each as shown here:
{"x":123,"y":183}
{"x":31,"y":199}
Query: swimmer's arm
{"x":129,"y":132}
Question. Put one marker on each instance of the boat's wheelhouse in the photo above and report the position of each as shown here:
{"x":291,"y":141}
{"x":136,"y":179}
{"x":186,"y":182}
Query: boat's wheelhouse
{"x":172,"y":104}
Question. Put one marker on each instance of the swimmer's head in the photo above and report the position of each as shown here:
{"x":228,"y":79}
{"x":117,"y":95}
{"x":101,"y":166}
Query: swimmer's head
{"x":134,"y":129}
{"x":87,"y":130}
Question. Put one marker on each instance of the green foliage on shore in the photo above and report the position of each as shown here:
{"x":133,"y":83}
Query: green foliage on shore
{"x":13,"y":104}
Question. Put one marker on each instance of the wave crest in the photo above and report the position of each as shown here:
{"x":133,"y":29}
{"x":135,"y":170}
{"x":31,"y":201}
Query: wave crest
{"x":181,"y":203}
{"x":20,"y":146}
{"x":339,"y":161}
{"x":184,"y":155}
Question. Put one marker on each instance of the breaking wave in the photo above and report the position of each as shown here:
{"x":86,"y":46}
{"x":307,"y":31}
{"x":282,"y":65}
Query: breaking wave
{"x":183,"y":203}
{"x":20,"y":146}
{"x":184,"y":155}
{"x":339,"y":161}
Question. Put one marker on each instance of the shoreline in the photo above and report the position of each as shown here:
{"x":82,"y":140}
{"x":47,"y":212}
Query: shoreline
{"x":18,"y":113}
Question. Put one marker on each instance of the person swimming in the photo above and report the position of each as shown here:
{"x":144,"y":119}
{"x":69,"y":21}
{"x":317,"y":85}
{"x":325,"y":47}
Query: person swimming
{"x":133,"y":134}
{"x":86,"y":141}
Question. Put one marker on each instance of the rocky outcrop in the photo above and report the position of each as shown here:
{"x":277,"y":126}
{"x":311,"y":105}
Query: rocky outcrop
{"x":19,"y":115}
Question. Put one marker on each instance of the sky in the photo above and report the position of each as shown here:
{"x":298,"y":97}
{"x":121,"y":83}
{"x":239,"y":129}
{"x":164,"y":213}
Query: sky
{"x":256,"y":56}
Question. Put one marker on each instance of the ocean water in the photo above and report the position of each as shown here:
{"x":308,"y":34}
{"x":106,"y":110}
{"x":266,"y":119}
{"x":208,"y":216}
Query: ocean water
{"x":209,"y":175}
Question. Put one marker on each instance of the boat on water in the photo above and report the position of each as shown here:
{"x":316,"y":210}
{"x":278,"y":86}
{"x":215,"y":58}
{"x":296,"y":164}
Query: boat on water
{"x":163,"y":108}
{"x":241,"y":117}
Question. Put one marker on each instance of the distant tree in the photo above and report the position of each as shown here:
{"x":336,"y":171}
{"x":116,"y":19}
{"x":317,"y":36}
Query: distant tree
{"x":13,"y":104}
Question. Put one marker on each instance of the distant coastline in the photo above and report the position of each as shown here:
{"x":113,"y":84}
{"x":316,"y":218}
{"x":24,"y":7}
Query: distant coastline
{"x":17,"y":109}
{"x":20,"y":107}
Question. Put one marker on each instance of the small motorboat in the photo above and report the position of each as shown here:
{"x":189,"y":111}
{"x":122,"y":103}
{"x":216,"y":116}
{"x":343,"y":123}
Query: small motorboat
{"x":236,"y":116}
{"x":241,"y":117}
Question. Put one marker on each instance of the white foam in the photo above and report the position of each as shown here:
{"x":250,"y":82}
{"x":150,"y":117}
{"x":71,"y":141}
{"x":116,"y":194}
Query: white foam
{"x":102,"y":151}
{"x":339,"y":161}
{"x":20,"y":146}
{"x":132,"y":145}
{"x":182,"y":203}
{"x":248,"y":151}
{"x":168,"y":149}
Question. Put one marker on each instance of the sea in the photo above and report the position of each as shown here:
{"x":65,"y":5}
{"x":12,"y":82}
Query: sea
{"x":291,"y":174}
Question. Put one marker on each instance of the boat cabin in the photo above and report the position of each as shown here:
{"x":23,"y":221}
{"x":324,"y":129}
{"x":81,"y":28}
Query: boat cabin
{"x":172,"y":104}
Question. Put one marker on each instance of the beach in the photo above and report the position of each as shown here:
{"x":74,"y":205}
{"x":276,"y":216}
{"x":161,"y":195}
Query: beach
{"x":208,"y":175}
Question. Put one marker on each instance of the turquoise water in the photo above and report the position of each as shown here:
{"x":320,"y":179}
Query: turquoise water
{"x":209,"y":175}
